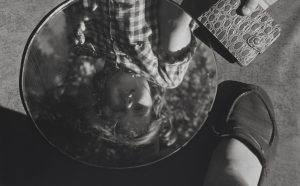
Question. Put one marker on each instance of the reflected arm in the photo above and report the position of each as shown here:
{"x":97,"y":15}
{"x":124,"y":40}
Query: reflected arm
{"x":176,"y":43}
{"x":174,"y":30}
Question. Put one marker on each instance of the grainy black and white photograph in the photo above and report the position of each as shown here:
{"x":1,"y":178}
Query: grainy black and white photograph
{"x":149,"y":92}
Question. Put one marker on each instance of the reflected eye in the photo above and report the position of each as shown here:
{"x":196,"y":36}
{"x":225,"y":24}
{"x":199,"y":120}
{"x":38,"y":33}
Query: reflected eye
{"x":140,"y":109}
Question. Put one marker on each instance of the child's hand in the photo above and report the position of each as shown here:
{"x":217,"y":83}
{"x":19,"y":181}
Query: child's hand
{"x":87,"y":6}
{"x":249,"y":6}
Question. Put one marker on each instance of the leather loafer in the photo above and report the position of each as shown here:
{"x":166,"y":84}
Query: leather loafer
{"x":249,"y":117}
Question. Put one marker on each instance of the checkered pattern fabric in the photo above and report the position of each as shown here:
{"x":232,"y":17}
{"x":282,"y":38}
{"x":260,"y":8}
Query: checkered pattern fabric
{"x":125,"y":32}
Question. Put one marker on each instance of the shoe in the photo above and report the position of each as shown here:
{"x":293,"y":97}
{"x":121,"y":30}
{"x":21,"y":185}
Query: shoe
{"x":249,"y":118}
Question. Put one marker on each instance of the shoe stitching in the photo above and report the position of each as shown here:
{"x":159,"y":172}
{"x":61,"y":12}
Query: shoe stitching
{"x":270,"y":115}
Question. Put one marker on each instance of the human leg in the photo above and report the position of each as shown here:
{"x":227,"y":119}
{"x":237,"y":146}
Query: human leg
{"x":233,"y":163}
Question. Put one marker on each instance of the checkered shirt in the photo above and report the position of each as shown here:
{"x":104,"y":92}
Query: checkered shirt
{"x":125,"y":32}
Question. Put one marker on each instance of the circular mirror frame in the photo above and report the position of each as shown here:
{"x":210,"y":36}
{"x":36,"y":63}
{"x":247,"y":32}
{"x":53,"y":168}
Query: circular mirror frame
{"x":32,"y":37}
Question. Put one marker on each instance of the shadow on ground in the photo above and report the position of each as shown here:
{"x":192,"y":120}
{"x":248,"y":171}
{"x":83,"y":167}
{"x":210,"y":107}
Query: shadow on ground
{"x":27,"y":159}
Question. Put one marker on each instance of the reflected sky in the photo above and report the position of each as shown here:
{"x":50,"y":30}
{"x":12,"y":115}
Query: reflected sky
{"x":55,"y":28}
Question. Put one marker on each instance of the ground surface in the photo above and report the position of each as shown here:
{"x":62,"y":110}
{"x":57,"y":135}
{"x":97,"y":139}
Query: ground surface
{"x":277,"y":71}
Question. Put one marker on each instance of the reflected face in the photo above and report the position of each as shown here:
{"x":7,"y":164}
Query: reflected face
{"x":129,"y":99}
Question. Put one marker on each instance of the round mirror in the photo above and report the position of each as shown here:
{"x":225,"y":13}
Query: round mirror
{"x":117,"y":85}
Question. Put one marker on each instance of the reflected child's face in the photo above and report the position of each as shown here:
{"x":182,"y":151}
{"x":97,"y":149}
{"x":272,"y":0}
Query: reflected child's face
{"x":129,"y":99}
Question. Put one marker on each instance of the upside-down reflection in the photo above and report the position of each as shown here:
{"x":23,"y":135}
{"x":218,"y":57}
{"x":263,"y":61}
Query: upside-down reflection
{"x":116,"y":103}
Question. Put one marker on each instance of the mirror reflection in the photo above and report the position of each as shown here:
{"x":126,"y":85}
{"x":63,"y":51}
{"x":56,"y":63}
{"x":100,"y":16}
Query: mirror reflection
{"x":118,"y":84}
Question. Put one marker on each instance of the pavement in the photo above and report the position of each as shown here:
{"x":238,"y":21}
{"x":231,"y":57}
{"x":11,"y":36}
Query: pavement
{"x":277,"y":71}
